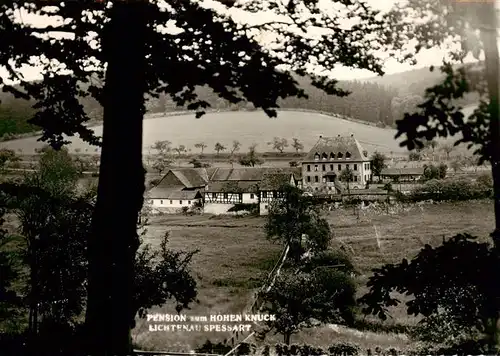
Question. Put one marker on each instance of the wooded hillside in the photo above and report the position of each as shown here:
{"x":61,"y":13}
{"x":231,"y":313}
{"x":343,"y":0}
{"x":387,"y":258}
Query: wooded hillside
{"x":380,"y":100}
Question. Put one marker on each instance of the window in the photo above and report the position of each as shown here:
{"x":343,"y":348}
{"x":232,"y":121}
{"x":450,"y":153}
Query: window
{"x":180,"y":202}
{"x":275,"y":194}
{"x":308,"y":167}
{"x":332,"y":155}
{"x":265,"y":207}
{"x":189,"y":202}
{"x":309,"y":178}
{"x":340,"y":155}
{"x":251,"y":195}
{"x":315,"y":167}
{"x":324,"y":167}
{"x":355,"y":178}
{"x":331,"y":167}
{"x":347,"y":166}
{"x":316,"y":156}
{"x":171,"y":202}
{"x":324,"y":156}
{"x":226,"y":195}
{"x":340,"y":167}
{"x":214,"y":195}
{"x":316,"y":179}
{"x":161,"y":202}
{"x":264,"y":195}
{"x":347,"y":155}
{"x":355,"y":167}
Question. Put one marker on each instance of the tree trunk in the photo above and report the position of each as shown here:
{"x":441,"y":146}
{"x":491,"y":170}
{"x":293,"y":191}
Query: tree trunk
{"x":489,"y":39}
{"x":114,"y":239}
{"x":286,"y":338}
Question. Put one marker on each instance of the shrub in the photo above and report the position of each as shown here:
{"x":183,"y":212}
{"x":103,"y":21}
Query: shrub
{"x":211,"y":348}
{"x":251,"y":208}
{"x":343,"y":349}
{"x":450,"y":190}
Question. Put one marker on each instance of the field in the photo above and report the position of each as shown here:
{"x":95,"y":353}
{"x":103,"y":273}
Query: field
{"x":246,"y":127}
{"x":235,"y":256}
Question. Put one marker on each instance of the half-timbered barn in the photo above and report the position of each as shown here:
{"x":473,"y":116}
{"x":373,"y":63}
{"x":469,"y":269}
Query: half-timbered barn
{"x":230,"y":186}
{"x":270,"y":189}
{"x":323,"y":166}
{"x":179,"y":188}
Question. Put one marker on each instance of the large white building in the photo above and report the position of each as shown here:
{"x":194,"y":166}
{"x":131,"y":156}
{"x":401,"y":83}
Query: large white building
{"x":323,"y":165}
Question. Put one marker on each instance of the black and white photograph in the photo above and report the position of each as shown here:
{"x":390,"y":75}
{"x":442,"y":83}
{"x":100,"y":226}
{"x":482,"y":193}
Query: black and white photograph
{"x":249,"y":177}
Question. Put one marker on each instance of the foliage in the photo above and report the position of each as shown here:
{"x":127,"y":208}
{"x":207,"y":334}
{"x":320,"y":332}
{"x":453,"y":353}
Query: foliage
{"x":293,"y":216}
{"x":219,"y":147}
{"x":433,"y":172}
{"x":179,"y":150}
{"x":414,"y":156}
{"x":485,"y":180}
{"x":378,"y":163}
{"x":251,"y":208}
{"x":293,"y":164}
{"x":161,"y":275}
{"x":332,"y":259}
{"x":201,"y":146}
{"x":251,"y":159}
{"x":347,"y":176}
{"x":451,"y":284}
{"x":279,"y":144}
{"x":326,"y":295}
{"x":235,"y":147}
{"x":198,"y":164}
{"x":212,"y":348}
{"x":7,"y":156}
{"x":342,"y":349}
{"x":297,"y":145}
{"x":450,"y":190}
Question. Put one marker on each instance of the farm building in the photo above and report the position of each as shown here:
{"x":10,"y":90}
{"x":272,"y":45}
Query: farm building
{"x":177,"y":189}
{"x":230,"y":186}
{"x":322,"y":168}
{"x":269,"y":188}
{"x":402,"y":174}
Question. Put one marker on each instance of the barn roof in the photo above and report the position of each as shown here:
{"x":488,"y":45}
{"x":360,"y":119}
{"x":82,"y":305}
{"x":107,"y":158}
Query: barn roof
{"x":336,"y":145}
{"x":251,"y":174}
{"x":191,"y":177}
{"x":232,"y":187}
{"x":275,"y":181}
{"x":172,"y":193}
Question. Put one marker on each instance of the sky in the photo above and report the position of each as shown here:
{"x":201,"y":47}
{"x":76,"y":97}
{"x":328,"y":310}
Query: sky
{"x":424,"y":59}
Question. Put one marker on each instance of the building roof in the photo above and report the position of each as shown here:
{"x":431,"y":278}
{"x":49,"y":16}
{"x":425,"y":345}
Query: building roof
{"x":251,"y":174}
{"x":275,"y":181}
{"x":172,"y":193}
{"x":232,"y":187}
{"x":332,"y":146}
{"x":191,"y":177}
{"x":402,"y":171}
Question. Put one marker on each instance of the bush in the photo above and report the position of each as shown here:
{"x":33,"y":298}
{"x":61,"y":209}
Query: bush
{"x":343,"y":349}
{"x":251,"y":208}
{"x":210,"y":348}
{"x":450,"y":190}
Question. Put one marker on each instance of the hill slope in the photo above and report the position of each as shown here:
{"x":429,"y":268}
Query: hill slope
{"x":380,"y":100}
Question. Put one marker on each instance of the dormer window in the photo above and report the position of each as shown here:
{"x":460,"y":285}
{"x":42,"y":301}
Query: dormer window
{"x":324,"y":156}
{"x":340,"y":155}
{"x":316,"y":156}
{"x":332,"y":155}
{"x":347,"y":155}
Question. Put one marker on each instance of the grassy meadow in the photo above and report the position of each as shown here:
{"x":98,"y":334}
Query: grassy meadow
{"x":235,"y":257}
{"x":246,"y":127}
